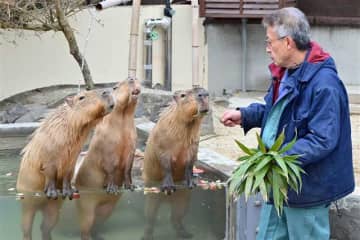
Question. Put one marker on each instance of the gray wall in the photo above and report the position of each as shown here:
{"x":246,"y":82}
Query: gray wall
{"x":225,"y":60}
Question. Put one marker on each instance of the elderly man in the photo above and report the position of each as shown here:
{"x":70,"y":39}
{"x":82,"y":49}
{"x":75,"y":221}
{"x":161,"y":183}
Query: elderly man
{"x":307,"y":96}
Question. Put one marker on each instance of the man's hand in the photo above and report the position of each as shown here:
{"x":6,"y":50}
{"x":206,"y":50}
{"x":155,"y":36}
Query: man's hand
{"x":231,"y":118}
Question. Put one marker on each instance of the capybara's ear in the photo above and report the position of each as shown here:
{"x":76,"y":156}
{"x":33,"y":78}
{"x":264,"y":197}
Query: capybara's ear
{"x":70,"y":101}
{"x":176,"y":96}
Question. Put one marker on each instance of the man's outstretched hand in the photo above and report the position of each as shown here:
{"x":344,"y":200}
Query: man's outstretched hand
{"x":231,"y":118}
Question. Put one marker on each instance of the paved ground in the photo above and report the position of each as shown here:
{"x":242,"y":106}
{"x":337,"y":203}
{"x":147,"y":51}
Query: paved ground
{"x":223,"y":139}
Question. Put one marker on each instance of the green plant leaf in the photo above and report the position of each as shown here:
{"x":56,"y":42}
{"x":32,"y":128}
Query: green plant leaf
{"x":278,"y":142}
{"x":243,"y":158}
{"x":256,"y":156}
{"x":280,"y":161}
{"x":264,"y":162}
{"x":244,"y":148}
{"x":293,"y":182}
{"x":278,"y":199}
{"x":248,"y":186}
{"x":289,"y":145}
{"x":296,"y":170}
{"x":259,"y":177}
{"x":263,"y":191}
{"x":261,"y":144}
{"x":291,"y":158}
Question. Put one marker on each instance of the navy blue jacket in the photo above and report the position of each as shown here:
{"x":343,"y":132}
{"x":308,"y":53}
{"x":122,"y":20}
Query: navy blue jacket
{"x":319,"y":109}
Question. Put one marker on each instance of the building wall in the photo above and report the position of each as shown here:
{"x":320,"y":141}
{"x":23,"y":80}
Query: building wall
{"x":44,"y":60}
{"x":225,"y":60}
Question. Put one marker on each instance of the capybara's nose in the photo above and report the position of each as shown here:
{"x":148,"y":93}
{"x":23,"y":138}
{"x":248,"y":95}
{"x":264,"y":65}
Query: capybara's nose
{"x":136,"y":91}
{"x":105,"y":93}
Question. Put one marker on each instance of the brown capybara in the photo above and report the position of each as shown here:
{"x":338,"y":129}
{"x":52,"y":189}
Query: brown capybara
{"x":109,"y":159}
{"x":49,"y":158}
{"x":170,"y":154}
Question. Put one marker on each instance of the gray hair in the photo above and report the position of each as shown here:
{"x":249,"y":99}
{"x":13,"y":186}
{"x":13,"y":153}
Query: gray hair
{"x":291,"y":22}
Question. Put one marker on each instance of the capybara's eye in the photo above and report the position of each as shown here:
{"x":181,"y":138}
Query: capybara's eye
{"x":81,"y":97}
{"x":183,"y":95}
{"x":116,"y":87}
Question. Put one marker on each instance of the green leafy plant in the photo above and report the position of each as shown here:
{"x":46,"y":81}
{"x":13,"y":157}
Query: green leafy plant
{"x":267,"y":171}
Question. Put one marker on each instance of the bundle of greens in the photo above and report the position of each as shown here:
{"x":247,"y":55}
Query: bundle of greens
{"x":267,"y":171}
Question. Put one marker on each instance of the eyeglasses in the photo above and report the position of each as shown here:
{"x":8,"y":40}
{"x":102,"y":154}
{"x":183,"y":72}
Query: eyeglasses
{"x":269,"y":42}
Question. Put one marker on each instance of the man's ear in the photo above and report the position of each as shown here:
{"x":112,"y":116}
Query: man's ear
{"x":70,"y":101}
{"x":290,"y":43}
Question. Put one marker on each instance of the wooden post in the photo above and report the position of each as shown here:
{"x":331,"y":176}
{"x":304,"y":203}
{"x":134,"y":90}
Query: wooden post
{"x":134,"y":33}
{"x":281,"y":3}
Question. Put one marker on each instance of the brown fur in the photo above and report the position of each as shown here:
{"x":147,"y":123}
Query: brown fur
{"x":170,"y":154}
{"x":49,"y":158}
{"x":109,"y":159}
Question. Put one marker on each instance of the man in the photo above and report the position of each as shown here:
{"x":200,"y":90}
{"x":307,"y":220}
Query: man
{"x":306,"y":96}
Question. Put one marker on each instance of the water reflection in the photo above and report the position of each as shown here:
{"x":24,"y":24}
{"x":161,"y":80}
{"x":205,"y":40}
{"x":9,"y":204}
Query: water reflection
{"x":202,"y":212}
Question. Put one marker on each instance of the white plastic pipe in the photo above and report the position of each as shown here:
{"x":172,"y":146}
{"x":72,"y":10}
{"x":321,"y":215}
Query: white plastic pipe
{"x":195,"y":43}
{"x":110,"y":3}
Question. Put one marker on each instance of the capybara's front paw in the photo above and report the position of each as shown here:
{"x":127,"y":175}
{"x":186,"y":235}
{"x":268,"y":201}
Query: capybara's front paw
{"x":190,"y":183}
{"x":68,"y":192}
{"x":51,"y":193}
{"x":112,"y":188}
{"x":168,"y":189}
{"x":129,"y":186}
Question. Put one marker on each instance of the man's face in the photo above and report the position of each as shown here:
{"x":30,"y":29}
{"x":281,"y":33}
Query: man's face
{"x":277,"y":47}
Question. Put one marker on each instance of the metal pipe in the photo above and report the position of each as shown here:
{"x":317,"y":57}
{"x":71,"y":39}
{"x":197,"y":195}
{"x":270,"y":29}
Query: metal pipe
{"x":110,"y":3}
{"x":168,"y":58}
{"x":148,"y":59}
{"x":150,"y":25}
{"x":244,"y":54}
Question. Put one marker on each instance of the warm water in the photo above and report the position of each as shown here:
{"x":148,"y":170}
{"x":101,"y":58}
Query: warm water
{"x":205,"y":218}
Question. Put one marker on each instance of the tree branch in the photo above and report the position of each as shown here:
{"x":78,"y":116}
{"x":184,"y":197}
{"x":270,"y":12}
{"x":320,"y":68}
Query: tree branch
{"x":74,"y":49}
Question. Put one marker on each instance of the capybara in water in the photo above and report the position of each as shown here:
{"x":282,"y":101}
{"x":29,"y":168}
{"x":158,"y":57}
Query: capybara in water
{"x":109,"y":159}
{"x":170,"y":154}
{"x":49,"y":158}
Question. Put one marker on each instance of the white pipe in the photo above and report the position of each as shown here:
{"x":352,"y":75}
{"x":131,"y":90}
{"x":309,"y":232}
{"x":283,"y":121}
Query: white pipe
{"x":165,"y":24}
{"x":110,"y":3}
{"x":154,"y":22}
{"x":195,"y":43}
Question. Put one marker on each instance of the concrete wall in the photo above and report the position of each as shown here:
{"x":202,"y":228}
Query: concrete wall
{"x":225,"y":61}
{"x":43,"y":61}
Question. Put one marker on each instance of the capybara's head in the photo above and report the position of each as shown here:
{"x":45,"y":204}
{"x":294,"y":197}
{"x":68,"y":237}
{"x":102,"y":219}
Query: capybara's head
{"x":192,"y":103}
{"x":91,"y":105}
{"x":126,"y":92}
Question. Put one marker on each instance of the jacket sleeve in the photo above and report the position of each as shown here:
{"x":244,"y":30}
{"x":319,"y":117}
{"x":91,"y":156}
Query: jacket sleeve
{"x":323,"y":126}
{"x":252,"y":116}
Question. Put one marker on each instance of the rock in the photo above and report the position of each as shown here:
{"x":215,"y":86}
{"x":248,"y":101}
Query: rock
{"x":345,"y":224}
{"x":13,"y":113}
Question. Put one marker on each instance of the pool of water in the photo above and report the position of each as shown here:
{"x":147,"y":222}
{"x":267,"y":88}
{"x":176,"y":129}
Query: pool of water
{"x":205,"y":218}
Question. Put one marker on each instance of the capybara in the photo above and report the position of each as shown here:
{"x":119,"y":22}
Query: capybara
{"x":170,"y":153}
{"x":49,"y":158}
{"x":109,"y":159}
